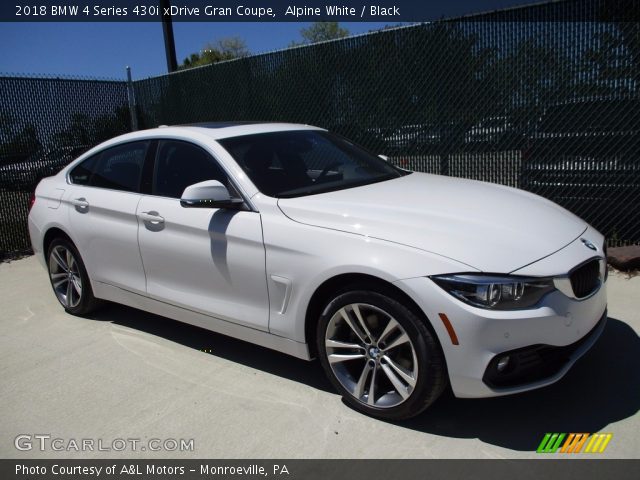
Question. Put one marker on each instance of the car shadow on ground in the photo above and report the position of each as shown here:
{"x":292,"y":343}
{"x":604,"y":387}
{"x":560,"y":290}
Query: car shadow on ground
{"x":602,"y":388}
{"x":211,"y":343}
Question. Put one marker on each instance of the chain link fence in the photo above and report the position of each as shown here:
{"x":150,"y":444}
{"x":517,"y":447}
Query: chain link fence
{"x":509,"y":97}
{"x":44,"y":124}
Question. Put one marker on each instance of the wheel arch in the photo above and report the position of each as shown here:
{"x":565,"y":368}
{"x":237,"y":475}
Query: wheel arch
{"x":350,"y":281}
{"x":87,"y":302}
{"x":51,"y":234}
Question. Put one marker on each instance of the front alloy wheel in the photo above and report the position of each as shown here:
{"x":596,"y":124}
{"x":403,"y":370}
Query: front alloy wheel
{"x":378,"y":369}
{"x":380,"y":355}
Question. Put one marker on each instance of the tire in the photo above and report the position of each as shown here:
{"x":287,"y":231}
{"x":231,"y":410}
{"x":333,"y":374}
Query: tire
{"x":402,"y":360}
{"x":70,"y":285}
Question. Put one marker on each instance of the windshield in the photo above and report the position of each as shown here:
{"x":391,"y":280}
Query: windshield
{"x":305,"y":162}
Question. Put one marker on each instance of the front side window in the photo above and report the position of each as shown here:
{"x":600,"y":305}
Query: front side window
{"x":180,"y":164}
{"x":116,"y":168}
{"x":304,"y":162}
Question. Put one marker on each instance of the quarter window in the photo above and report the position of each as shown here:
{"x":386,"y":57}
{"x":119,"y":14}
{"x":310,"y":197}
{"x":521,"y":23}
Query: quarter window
{"x":117,"y":168}
{"x":81,"y":175}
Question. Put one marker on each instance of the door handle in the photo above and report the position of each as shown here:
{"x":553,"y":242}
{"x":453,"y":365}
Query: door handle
{"x":151,"y":217}
{"x":80,"y":202}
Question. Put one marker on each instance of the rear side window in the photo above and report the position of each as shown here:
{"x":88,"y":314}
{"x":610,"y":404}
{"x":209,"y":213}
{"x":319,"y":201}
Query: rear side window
{"x":116,"y":168}
{"x":81,"y":175}
{"x":180,"y":164}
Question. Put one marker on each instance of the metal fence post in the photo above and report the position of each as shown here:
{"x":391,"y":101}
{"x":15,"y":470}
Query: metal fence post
{"x":132,"y":101}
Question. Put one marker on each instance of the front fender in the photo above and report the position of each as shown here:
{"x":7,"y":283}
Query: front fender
{"x":300,"y":258}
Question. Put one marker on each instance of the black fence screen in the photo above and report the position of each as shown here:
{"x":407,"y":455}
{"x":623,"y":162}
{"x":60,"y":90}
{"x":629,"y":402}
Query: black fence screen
{"x":510,"y":97}
{"x":44,"y":124}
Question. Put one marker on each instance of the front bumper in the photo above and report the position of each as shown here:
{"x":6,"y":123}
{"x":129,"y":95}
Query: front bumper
{"x":538,"y":362}
{"x":544,"y":341}
{"x":560,"y":322}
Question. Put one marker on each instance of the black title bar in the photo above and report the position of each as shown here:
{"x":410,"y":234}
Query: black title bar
{"x":389,"y":11}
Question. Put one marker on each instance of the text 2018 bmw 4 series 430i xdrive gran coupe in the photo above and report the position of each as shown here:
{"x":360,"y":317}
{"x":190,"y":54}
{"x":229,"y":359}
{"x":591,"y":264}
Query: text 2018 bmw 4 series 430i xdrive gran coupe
{"x":296,"y":239}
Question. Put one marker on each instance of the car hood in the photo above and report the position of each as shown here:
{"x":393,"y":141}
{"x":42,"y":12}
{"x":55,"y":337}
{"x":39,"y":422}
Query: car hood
{"x":489,"y":227}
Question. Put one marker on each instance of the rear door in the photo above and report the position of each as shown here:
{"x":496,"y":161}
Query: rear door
{"x":209,"y":260}
{"x":102,"y":202}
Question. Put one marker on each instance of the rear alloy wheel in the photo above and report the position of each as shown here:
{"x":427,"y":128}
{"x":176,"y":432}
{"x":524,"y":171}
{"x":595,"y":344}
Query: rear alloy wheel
{"x":69,"y":278}
{"x":380,"y":355}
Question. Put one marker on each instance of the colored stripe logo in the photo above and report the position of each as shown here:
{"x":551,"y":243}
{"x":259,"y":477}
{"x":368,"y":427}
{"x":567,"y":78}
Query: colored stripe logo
{"x":574,"y":443}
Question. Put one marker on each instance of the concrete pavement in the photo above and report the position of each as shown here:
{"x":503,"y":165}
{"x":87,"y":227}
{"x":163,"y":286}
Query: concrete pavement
{"x":126,"y":374}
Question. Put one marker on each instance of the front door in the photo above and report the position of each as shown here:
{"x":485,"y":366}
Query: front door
{"x":208,"y":260}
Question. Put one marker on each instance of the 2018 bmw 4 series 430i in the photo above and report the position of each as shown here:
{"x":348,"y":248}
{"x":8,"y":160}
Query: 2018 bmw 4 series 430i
{"x":293,"y":238}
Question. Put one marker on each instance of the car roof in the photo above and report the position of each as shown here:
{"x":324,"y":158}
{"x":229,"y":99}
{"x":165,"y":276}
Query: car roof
{"x":219,"y":130}
{"x":214,"y":130}
{"x":222,"y":124}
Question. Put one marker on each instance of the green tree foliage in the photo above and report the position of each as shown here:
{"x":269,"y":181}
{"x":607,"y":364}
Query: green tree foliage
{"x":86,"y":130}
{"x":222,"y":49}
{"x":321,"y":32}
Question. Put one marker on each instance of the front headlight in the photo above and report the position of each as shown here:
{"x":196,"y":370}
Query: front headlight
{"x":495,"y":292}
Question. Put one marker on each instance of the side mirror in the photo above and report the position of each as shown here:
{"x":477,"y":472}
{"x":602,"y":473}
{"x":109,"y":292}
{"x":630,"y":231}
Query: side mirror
{"x":209,"y":194}
{"x":384,"y":157}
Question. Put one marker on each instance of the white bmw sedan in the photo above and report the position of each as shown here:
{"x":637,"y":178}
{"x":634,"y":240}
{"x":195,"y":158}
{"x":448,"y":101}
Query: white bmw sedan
{"x":296,"y":239}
